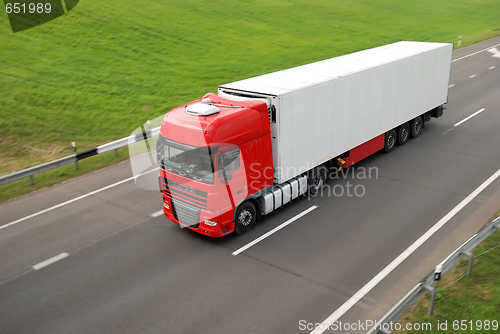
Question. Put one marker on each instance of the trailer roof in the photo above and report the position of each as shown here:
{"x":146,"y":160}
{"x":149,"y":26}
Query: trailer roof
{"x":295,"y":78}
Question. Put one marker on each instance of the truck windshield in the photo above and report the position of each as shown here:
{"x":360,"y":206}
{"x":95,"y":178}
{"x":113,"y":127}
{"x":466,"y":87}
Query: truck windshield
{"x":189,"y":161}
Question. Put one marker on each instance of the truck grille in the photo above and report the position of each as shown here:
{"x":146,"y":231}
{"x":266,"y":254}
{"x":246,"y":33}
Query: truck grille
{"x":185,"y":213}
{"x":185,"y":193}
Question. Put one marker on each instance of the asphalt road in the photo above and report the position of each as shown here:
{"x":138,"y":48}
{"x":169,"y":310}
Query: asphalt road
{"x":128,"y":272}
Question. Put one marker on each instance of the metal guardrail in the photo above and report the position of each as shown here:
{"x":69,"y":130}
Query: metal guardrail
{"x":37,"y":169}
{"x":425,"y":285}
{"x":114,"y":145}
{"x":74,"y":158}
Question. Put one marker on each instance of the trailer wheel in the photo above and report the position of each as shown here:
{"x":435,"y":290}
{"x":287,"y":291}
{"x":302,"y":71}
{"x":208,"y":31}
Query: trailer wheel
{"x":245,"y":218}
{"x":416,"y":127}
{"x":403,"y":134}
{"x":316,"y":180}
{"x":390,"y":141}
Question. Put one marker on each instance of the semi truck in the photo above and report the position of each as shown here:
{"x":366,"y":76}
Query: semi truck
{"x":227,"y":160}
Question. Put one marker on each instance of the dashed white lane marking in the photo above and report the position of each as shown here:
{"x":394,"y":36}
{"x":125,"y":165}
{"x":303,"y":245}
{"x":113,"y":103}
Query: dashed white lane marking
{"x":464,"y":120}
{"x":397,"y":261}
{"x":50,"y":261}
{"x":157,"y":214}
{"x":467,"y":118}
{"x":452,"y":85}
{"x":473,"y":76}
{"x":276,"y":229}
{"x":492,"y":67}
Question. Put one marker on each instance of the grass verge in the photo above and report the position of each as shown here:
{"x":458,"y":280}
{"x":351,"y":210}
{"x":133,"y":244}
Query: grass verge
{"x":469,"y":305}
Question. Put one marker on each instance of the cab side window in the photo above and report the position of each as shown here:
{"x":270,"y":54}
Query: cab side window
{"x":229,"y":160}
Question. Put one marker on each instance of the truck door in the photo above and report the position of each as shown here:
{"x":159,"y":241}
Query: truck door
{"x":231,"y":180}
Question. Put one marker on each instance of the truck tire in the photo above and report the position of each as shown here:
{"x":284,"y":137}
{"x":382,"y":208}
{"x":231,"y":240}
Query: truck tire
{"x":245,"y":218}
{"x":390,"y":141}
{"x":317,"y":180}
{"x":416,"y":127}
{"x":403,"y":134}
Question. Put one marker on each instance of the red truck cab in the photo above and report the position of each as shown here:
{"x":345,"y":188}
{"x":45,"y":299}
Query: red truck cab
{"x":213,"y":155}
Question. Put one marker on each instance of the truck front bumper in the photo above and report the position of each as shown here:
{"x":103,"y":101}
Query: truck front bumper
{"x":201,"y":228}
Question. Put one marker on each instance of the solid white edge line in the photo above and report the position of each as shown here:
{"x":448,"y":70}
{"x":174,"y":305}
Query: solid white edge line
{"x":276,"y":229}
{"x":469,"y":117}
{"x":157,"y":214}
{"x":50,"y":261}
{"x":68,"y":202}
{"x":397,"y":261}
{"x":378,"y":323}
{"x":475,"y":53}
{"x":392,"y":309}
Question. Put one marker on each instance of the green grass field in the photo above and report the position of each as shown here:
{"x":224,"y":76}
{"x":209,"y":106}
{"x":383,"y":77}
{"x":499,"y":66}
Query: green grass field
{"x":98,"y":72}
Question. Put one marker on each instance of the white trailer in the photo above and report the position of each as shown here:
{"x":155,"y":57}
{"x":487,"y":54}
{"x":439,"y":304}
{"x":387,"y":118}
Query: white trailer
{"x":320,"y":111}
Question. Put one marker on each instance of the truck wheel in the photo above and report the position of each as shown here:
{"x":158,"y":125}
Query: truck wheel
{"x":245,"y":218}
{"x":403,"y":134}
{"x":316,"y":181}
{"x":416,"y":127}
{"x":390,"y":141}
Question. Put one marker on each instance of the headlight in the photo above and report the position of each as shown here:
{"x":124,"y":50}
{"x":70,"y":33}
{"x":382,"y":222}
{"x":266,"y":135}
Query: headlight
{"x":210,"y":223}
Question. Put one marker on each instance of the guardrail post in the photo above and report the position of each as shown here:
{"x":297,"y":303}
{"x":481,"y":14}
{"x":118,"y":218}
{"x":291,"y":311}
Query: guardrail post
{"x":433,"y":297}
{"x":116,"y":153}
{"x":471,"y":261}
{"x":31,"y":180}
{"x":73,"y":145}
